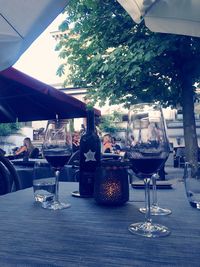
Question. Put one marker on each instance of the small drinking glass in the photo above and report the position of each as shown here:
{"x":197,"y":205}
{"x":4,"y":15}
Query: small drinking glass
{"x":44,"y":183}
{"x":192,"y":184}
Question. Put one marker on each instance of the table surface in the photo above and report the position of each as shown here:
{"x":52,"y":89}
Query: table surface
{"x":29,"y":163}
{"x":90,"y":235}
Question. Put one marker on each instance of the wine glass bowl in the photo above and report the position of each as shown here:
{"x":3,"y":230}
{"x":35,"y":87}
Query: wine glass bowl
{"x":57,"y":149}
{"x":148,"y":150}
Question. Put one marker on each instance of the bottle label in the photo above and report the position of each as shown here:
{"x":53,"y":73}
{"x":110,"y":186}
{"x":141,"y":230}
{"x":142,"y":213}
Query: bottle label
{"x":90,"y":156}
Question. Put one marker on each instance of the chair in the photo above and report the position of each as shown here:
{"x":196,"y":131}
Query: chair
{"x":73,"y":166}
{"x":9,"y":170}
{"x":34,"y":153}
{"x":74,"y":159}
{"x":5,"y":180}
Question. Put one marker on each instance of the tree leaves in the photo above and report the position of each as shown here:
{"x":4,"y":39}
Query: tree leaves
{"x":123,"y":61}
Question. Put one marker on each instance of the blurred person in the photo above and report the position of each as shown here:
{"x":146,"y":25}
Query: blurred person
{"x":115,"y":146}
{"x":82,"y":130}
{"x":75,"y":141}
{"x":26,"y":149}
{"x":154,"y":133}
{"x":107,"y":144}
{"x":131,"y":140}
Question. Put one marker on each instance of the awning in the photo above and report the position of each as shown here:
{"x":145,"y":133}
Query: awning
{"x":166,"y":16}
{"x":24,"y":98}
{"x":21,"y":22}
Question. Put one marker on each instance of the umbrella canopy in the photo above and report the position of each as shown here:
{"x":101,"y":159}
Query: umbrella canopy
{"x":23,"y":98}
{"x":21,"y":22}
{"x":166,"y":16}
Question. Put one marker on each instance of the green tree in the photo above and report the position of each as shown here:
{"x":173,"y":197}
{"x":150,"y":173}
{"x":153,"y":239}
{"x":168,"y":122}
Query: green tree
{"x":8,"y":128}
{"x":110,"y":123}
{"x":126,"y":63}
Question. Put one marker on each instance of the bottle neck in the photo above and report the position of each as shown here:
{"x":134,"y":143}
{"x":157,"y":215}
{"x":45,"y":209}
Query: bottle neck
{"x":90,"y":121}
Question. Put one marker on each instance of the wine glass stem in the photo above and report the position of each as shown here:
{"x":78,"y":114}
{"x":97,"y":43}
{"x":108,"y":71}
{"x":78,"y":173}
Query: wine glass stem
{"x":57,"y":174}
{"x":147,"y":200}
{"x":154,"y":192}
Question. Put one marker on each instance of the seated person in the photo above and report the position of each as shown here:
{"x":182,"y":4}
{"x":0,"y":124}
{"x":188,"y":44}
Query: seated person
{"x":107,"y":144}
{"x":82,"y":130}
{"x":26,"y":149}
{"x":115,"y":146}
{"x":131,"y":141}
{"x":75,"y":141}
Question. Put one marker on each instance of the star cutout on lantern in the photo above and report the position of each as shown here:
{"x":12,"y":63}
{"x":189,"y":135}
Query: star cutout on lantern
{"x":89,"y":156}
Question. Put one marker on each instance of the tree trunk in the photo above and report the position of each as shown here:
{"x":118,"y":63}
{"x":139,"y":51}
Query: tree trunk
{"x":189,"y":124}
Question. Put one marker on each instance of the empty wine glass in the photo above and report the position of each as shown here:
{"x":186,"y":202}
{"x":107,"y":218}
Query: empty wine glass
{"x":147,"y":152}
{"x":57,"y":149}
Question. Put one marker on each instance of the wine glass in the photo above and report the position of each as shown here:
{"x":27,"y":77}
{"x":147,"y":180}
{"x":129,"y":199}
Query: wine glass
{"x":57,"y":149}
{"x":147,"y":152}
{"x":157,"y":133}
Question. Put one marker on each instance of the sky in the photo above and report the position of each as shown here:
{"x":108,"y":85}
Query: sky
{"x":40,"y":60}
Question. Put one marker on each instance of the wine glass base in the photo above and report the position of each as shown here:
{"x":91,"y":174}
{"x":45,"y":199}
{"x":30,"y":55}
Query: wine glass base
{"x":56,"y":205}
{"x":156,"y":210}
{"x":148,"y":229}
{"x":77,"y":194}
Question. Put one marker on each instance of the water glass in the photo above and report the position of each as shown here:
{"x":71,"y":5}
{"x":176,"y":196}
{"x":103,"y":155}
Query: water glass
{"x":44,"y":182}
{"x":192,"y":184}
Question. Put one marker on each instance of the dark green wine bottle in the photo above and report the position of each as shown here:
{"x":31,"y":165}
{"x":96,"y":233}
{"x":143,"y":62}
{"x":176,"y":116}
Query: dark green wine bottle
{"x":90,"y":157}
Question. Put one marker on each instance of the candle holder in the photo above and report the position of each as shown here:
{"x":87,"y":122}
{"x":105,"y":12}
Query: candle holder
{"x":111,"y":185}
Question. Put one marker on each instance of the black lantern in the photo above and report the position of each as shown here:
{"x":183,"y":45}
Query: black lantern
{"x":111,"y":183}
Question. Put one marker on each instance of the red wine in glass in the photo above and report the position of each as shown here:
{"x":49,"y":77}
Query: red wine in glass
{"x":57,"y":161}
{"x":57,"y":149}
{"x":146,"y":166}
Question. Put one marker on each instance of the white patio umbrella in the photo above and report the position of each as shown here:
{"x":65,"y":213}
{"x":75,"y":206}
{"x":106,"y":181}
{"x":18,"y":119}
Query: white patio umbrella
{"x":166,"y":16}
{"x":21,"y":22}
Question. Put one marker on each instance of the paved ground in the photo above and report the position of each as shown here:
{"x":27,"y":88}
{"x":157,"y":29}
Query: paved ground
{"x":174,"y":173}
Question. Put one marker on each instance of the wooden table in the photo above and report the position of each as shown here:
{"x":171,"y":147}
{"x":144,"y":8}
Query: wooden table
{"x":95,"y":236}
